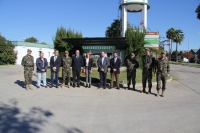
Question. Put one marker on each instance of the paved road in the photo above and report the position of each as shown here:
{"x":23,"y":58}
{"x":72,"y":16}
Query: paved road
{"x":95,"y":110}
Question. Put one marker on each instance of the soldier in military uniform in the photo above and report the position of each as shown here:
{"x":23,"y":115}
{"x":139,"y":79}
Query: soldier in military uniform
{"x":131,"y":64}
{"x":28,"y":64}
{"x":148,"y":64}
{"x":161,"y":72}
{"x":66,"y":63}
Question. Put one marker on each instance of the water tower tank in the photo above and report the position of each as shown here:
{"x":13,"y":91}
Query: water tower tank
{"x":133,"y":6}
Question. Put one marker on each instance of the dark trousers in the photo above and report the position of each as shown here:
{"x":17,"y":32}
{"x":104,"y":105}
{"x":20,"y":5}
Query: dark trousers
{"x":76,"y":74}
{"x":52,"y":78}
{"x":103,"y":80}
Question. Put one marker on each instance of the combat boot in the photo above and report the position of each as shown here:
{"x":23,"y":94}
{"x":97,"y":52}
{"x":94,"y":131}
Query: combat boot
{"x":69,"y":85}
{"x":27,"y":87}
{"x":134,"y":87}
{"x":30,"y":87}
{"x":162,"y":94}
{"x":63,"y":85}
{"x":149,"y":92}
{"x":144,"y":90}
{"x":128,"y":88}
{"x":157,"y":94}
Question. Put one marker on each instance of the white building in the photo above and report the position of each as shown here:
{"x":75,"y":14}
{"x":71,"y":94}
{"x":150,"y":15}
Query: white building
{"x":22,"y":47}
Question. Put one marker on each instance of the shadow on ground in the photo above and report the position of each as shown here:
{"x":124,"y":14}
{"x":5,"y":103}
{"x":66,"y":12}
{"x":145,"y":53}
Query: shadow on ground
{"x":12,"y":119}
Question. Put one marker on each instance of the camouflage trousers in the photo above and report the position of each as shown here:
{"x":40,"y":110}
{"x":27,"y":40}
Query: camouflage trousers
{"x":147,"y":76}
{"x":131,"y":75}
{"x":161,"y":77}
{"x":28,"y":76}
{"x":66,"y":76}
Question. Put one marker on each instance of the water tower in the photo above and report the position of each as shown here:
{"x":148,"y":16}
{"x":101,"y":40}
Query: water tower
{"x":133,"y":6}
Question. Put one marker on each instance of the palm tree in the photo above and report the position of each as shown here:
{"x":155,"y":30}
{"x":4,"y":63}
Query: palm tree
{"x":170,"y":36}
{"x":198,"y":11}
{"x":178,"y":38}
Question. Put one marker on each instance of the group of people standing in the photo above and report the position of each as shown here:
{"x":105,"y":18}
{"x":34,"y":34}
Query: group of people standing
{"x":159,"y":67}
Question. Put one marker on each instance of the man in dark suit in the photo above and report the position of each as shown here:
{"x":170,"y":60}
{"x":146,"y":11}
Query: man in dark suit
{"x":115,"y":64}
{"x":103,"y":69}
{"x":77,"y":62}
{"x":55,"y":63}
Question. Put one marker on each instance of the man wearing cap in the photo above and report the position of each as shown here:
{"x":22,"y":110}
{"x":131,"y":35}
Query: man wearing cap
{"x":148,"y":62}
{"x":66,"y":63}
{"x":131,"y":64}
{"x":161,"y":71}
{"x":28,"y":64}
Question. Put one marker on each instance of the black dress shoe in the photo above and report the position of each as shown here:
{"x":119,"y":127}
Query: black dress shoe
{"x":89,"y":86}
{"x":46,"y":87}
{"x":78,"y":86}
{"x":104,"y":87}
{"x":110,"y":87}
{"x":56,"y":86}
{"x":51,"y":86}
{"x":86,"y":86}
{"x":118,"y":88}
{"x":38,"y":87}
{"x":100,"y":87}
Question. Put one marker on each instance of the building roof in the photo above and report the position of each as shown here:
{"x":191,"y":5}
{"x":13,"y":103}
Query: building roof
{"x":28,"y":44}
{"x":194,"y":50}
{"x":118,"y":42}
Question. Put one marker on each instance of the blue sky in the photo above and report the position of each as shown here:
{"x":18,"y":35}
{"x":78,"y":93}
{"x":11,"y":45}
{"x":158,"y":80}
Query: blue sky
{"x":40,"y":18}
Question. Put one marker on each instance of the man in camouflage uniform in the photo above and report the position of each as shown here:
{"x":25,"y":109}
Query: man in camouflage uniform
{"x":131,"y":64}
{"x":148,"y":64}
{"x":161,"y":72}
{"x":66,"y":63}
{"x":28,"y":64}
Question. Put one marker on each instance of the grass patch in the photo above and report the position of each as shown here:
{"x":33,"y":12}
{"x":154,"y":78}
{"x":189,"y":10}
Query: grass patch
{"x":95,"y":76}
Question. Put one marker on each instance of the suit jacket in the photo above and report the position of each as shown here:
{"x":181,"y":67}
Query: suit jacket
{"x":103,"y":65}
{"x":114,"y":65}
{"x":56,"y":63}
{"x":77,"y":63}
{"x":89,"y":64}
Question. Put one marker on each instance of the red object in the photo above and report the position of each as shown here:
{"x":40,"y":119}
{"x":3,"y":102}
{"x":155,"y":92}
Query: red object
{"x":141,"y":23}
{"x":168,"y":44}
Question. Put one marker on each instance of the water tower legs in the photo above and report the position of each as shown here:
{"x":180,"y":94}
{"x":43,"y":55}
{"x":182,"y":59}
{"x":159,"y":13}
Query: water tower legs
{"x":124,"y":20}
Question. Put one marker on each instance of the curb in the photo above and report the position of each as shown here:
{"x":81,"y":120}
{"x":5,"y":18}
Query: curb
{"x":186,"y":65}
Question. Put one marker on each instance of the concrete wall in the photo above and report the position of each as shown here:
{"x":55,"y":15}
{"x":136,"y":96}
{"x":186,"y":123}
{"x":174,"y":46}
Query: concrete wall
{"x":22,"y":51}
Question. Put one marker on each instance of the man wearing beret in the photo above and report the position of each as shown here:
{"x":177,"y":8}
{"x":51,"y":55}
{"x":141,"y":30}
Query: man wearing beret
{"x":131,"y":64}
{"x":28,"y":64}
{"x":161,"y":71}
{"x":66,"y":63}
{"x":148,"y":62}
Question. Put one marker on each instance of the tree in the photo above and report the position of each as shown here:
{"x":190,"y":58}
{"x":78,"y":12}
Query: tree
{"x":198,"y":11}
{"x":114,"y":30}
{"x":61,"y":45}
{"x":135,"y":37}
{"x":31,"y":39}
{"x":174,"y":52}
{"x":7,"y":53}
{"x":43,"y":43}
{"x":178,"y":38}
{"x":170,"y":35}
